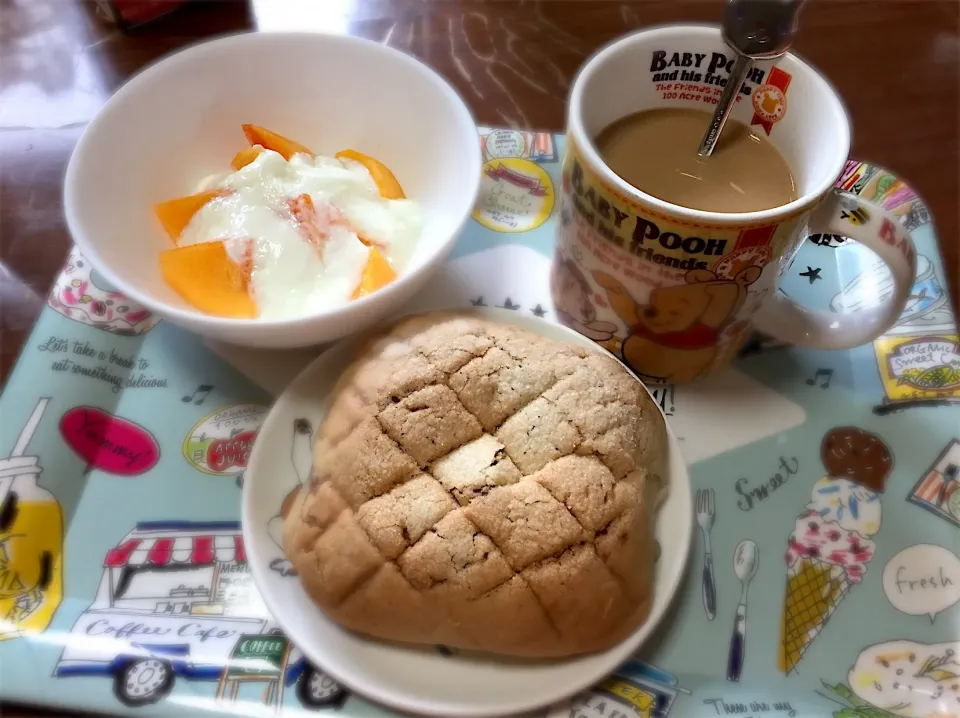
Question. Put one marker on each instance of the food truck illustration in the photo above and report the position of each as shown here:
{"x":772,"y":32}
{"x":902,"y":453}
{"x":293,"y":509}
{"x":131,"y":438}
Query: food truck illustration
{"x":177,"y":600}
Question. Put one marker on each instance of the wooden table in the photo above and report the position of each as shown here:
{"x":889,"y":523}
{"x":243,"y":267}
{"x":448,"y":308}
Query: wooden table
{"x":895,"y":63}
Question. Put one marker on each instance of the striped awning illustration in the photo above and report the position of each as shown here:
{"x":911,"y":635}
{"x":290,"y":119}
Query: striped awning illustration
{"x":186,"y":550}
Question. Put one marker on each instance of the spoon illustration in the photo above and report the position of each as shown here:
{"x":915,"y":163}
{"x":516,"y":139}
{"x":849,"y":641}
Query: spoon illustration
{"x":746,"y":560}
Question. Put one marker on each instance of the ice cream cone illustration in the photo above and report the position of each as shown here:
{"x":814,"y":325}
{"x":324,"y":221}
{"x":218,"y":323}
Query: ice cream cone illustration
{"x":830,"y":547}
{"x":31,"y":542}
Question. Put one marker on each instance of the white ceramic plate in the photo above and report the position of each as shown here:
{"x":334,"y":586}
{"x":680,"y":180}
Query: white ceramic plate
{"x":414,"y":679}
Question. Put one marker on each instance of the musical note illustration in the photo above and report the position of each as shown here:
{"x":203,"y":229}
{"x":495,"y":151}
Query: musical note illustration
{"x":827,"y":373}
{"x":203,"y":390}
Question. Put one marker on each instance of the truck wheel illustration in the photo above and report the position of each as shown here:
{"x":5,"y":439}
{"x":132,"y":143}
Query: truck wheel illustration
{"x":143,"y":681}
{"x":316,"y":689}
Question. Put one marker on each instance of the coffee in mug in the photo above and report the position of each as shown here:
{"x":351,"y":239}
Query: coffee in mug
{"x":656,"y":152}
{"x":673,"y":278}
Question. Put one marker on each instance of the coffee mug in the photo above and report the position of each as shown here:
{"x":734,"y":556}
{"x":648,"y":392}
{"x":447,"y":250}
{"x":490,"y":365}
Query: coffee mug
{"x":676,"y":291}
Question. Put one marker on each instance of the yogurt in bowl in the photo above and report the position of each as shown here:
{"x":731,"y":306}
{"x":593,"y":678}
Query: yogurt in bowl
{"x":178,"y":122}
{"x":306,"y":233}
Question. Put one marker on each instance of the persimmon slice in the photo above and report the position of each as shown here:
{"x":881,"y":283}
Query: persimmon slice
{"x":376,"y":274}
{"x":315,"y":222}
{"x":385,"y":180}
{"x":205,"y":276}
{"x":272,"y":141}
{"x":245,"y":157}
{"x":175,"y":214}
{"x":305,"y":213}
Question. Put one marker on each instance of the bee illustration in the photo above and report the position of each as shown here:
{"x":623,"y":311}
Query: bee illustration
{"x":855,"y":214}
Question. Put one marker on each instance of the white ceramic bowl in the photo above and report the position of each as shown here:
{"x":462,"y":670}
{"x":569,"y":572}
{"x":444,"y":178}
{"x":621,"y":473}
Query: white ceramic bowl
{"x":179,"y":121}
{"x":422,"y":681}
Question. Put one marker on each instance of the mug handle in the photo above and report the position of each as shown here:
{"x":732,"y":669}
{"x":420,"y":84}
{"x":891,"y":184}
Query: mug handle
{"x":845,"y":214}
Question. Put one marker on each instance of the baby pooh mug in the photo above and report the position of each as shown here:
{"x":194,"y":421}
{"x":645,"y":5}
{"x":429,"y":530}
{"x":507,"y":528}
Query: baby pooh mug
{"x":675,"y":291}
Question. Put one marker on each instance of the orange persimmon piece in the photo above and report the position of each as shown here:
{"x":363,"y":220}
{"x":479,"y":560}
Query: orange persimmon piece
{"x":205,"y":276}
{"x":175,"y":214}
{"x":378,"y":273}
{"x":245,"y":157}
{"x":384,"y":178}
{"x":308,"y":221}
{"x":272,"y":141}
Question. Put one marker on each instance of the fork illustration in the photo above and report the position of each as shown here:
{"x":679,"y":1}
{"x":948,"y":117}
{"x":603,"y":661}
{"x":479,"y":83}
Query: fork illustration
{"x":705,"y":516}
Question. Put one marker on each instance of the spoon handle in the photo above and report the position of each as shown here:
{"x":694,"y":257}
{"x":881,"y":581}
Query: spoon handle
{"x":725,"y":106}
{"x":709,"y":588}
{"x":738,"y":645}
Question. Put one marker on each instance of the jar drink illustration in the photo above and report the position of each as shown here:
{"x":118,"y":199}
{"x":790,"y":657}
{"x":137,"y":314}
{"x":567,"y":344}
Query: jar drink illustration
{"x":31,"y":541}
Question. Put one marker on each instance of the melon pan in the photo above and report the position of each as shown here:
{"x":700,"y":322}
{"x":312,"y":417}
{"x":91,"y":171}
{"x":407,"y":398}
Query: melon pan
{"x":478,"y":486}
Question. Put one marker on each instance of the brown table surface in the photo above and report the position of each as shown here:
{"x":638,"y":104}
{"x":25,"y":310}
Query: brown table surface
{"x":895,"y":63}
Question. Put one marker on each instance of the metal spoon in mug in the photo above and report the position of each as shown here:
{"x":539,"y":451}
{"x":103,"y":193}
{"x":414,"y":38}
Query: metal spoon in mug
{"x":756,"y":30}
{"x":746,"y":561}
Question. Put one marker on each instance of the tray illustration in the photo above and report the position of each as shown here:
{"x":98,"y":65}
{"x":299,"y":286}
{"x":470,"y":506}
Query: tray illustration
{"x":124,"y":587}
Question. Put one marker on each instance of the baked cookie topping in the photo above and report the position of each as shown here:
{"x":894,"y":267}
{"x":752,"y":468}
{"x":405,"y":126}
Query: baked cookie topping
{"x":482,"y":487}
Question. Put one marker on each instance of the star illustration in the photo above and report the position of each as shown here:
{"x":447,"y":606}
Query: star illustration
{"x":507,"y":304}
{"x":539,"y":311}
{"x":478,"y":302}
{"x":811,"y":274}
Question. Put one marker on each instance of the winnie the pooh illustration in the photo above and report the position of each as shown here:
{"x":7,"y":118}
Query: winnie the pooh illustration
{"x":571,"y":297}
{"x":673,"y":338}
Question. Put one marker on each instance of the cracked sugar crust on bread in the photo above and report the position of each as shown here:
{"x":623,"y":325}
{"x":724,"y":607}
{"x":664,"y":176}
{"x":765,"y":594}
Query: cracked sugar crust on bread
{"x":479,"y":486}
